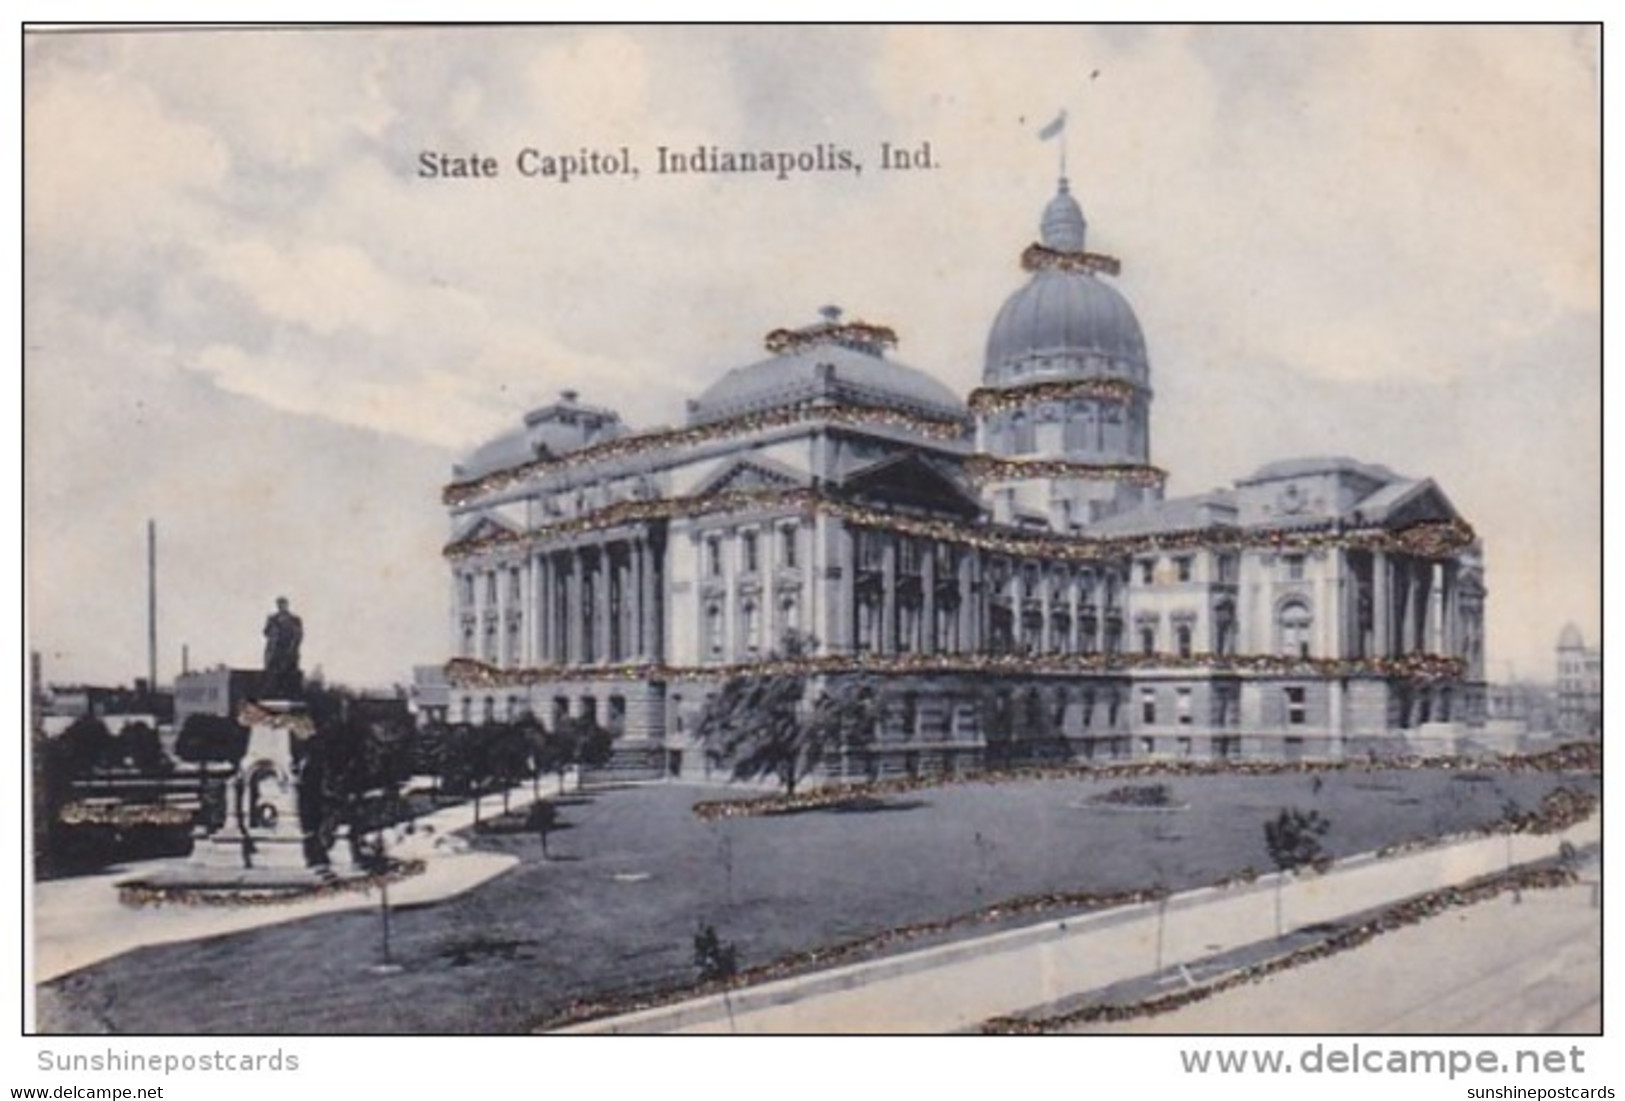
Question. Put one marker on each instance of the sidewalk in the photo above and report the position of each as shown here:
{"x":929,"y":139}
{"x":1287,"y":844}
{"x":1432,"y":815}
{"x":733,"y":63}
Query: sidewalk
{"x":956,"y":987}
{"x":79,"y":921}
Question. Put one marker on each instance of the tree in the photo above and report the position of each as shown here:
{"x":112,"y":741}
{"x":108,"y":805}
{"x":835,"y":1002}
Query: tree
{"x":83,"y":747}
{"x":1293,"y":839}
{"x":759,"y":724}
{"x":508,"y":755}
{"x":138,"y":747}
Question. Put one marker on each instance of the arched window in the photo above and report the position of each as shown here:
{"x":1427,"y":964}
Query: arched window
{"x":1294,"y":622}
{"x":789,"y":614}
{"x":750,"y":622}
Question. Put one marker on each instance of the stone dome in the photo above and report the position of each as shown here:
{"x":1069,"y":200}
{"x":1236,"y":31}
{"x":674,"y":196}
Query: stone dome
{"x":1065,"y":311}
{"x":1571,"y":639}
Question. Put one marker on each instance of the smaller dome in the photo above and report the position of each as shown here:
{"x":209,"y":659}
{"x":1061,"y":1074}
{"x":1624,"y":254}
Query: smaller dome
{"x":1571,"y":639}
{"x":1063,"y":226}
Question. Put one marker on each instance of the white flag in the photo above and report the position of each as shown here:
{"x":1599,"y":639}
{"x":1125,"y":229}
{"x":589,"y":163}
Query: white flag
{"x":1053,"y":129}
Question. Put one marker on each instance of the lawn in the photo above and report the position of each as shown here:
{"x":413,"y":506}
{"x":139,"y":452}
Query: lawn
{"x":635,"y":874}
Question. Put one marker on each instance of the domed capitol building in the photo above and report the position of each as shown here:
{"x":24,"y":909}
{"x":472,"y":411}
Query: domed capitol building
{"x":1005,"y":565}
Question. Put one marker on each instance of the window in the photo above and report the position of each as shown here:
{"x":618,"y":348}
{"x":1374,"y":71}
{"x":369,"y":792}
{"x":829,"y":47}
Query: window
{"x":1295,"y":621}
{"x":1148,"y":640}
{"x":713,"y":557}
{"x":489,"y":710}
{"x":516,"y":585}
{"x":789,"y":614}
{"x":713,"y":630}
{"x":750,"y":621}
{"x":1148,"y":570}
{"x":1182,"y":636}
{"x":1227,"y":568}
{"x":1182,"y":707}
{"x":1294,"y":567}
{"x":748,"y":546}
{"x":787,"y":548}
{"x":467,"y":589}
{"x":491,"y":587}
{"x":1182,"y":566}
{"x":1022,"y":437}
{"x":1148,"y":706}
{"x":1296,"y":711}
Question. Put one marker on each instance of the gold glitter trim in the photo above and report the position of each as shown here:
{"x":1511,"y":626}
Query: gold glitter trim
{"x":460,"y":493}
{"x":145,"y":894}
{"x":991,"y":468}
{"x":785,"y":341}
{"x":996,"y":399}
{"x":1433,"y":539}
{"x":120,"y":816}
{"x":471,"y":673}
{"x":1038,"y":258}
{"x":252,"y":714}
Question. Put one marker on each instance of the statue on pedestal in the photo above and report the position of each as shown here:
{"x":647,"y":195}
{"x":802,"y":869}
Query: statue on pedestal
{"x":283,"y":633}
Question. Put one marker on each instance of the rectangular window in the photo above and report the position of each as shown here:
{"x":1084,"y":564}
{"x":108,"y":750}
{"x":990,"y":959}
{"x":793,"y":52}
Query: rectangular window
{"x":1148,"y":640}
{"x":748,"y":544}
{"x":1182,"y":565}
{"x":787,"y":547}
{"x":713,"y":557}
{"x":1294,"y":567}
{"x":1182,"y":705}
{"x":1148,"y":570}
{"x":1296,"y":708}
{"x":1148,"y":706}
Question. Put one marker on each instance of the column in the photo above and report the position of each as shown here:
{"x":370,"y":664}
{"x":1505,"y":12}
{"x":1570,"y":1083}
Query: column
{"x":575,"y":607}
{"x":1045,"y":631}
{"x":603,"y":608}
{"x":1075,"y":634}
{"x":1098,"y":597}
{"x":1381,"y":604}
{"x":888,"y":599}
{"x":1407,"y":622}
{"x":546,"y":653}
{"x":1452,"y":608}
{"x":969,"y":643}
{"x":846,"y":616}
{"x":928,"y":600}
{"x":652,"y":603}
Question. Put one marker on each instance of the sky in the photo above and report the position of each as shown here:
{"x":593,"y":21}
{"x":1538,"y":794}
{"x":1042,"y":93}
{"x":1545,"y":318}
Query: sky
{"x":248,"y":318}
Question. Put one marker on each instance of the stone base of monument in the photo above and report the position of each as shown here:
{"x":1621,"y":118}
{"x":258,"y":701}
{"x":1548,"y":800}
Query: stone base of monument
{"x":262,"y":831}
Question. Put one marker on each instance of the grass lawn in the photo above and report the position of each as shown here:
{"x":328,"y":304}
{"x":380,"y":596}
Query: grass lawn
{"x":635,"y":874}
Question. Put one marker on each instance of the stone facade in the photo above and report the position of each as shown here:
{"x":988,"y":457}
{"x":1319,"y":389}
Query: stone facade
{"x":1007,"y":563}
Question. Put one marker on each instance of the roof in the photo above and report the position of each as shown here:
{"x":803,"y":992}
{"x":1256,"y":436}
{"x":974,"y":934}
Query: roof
{"x":1174,"y":514}
{"x":827,"y":370}
{"x":1332,"y":464}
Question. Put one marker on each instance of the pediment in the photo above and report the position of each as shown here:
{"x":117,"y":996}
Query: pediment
{"x":485,"y":526}
{"x":1398,"y":507}
{"x":754,"y":473}
{"x":912,"y":481}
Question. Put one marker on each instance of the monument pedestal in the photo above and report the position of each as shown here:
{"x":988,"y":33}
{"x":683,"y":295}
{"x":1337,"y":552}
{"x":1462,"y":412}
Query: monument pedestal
{"x":263,"y":830}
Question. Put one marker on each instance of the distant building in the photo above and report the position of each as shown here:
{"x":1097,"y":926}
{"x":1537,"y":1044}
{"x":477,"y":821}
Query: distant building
{"x":116,"y":705}
{"x":1579,"y":686}
{"x":217,"y":691}
{"x":1002,"y":562}
{"x":430,"y":694}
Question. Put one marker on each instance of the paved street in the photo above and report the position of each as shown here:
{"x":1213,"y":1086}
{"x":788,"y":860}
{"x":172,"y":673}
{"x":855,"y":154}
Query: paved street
{"x":957,"y":987}
{"x":1526,"y":965}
